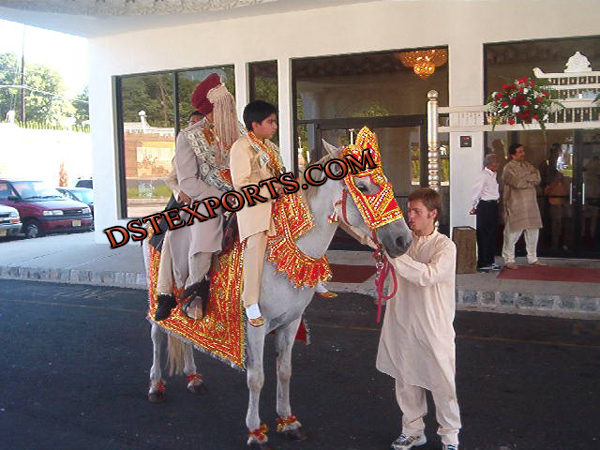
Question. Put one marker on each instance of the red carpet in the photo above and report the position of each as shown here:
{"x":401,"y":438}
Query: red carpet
{"x":550,"y":273}
{"x":351,"y":274}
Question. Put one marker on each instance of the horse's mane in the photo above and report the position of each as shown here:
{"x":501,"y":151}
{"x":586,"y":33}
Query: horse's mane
{"x":312,"y":190}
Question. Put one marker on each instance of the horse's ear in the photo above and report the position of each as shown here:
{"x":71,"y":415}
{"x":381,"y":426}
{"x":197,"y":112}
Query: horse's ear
{"x":333,"y":151}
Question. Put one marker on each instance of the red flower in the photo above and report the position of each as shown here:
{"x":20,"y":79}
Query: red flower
{"x":511,"y":121}
{"x":531,"y":83}
{"x":505,"y":87}
{"x":499,"y":95}
{"x":521,"y":89}
{"x":513,"y":101}
{"x":536,"y":117}
{"x":545,"y":94}
{"x":504,"y":103}
{"x":539,"y":99}
{"x":527,"y":102}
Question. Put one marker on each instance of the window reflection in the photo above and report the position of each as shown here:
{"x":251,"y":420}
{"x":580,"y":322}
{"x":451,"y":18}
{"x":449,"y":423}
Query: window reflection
{"x":147,"y":103}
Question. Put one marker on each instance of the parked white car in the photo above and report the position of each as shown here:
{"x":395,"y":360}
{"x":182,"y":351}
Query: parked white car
{"x":10,"y":222}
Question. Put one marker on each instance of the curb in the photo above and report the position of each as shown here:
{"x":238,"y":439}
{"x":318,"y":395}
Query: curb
{"x":524,"y":302}
{"x":131,"y":280}
{"x":466,"y":299}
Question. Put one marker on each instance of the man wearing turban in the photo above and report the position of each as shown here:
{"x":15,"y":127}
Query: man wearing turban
{"x":202,"y":155}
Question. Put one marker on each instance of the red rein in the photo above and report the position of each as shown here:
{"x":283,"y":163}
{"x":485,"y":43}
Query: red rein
{"x":384,"y":269}
{"x":381,"y":264}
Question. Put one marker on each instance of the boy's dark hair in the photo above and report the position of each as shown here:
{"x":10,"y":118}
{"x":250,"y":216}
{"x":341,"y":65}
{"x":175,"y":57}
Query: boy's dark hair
{"x":195,"y":113}
{"x":430,"y":198}
{"x":512,"y":150}
{"x":257,"y":111}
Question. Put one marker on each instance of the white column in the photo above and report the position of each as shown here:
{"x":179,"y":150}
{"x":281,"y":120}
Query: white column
{"x":466,"y":89}
{"x":242,"y":87}
{"x":286,"y":115}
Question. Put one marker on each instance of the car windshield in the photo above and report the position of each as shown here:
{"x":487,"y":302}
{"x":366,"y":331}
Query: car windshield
{"x":86,"y":196}
{"x":35,"y":190}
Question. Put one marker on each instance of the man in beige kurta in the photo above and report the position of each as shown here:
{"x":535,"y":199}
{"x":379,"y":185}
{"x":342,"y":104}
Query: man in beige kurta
{"x":165,"y":282}
{"x":199,"y":149}
{"x":253,"y":158}
{"x":417,"y":338}
{"x":521,"y":211}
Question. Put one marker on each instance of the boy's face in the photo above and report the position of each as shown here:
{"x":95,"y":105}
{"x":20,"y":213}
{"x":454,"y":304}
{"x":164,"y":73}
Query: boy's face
{"x":420,"y":219}
{"x":267,"y":128}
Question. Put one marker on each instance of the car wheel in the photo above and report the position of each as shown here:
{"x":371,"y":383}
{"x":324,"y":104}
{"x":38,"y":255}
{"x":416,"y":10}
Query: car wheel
{"x":32,"y":230}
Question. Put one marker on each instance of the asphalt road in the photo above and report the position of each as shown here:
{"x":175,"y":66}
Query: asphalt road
{"x":75,"y":362}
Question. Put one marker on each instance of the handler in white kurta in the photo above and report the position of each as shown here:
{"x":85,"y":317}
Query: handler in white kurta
{"x":417,"y":339}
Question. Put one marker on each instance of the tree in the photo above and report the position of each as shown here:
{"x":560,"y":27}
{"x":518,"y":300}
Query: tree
{"x":9,"y":74}
{"x":49,"y":106}
{"x":81,"y":106}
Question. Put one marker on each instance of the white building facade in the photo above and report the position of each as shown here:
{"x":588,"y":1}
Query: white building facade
{"x":465,"y":29}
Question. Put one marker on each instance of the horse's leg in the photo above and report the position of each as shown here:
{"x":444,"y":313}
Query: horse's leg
{"x":156,"y":394}
{"x":256,"y":379}
{"x":195,"y":384}
{"x":287,"y":424}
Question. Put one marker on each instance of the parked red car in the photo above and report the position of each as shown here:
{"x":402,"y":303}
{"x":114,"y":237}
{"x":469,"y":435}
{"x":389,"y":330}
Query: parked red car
{"x":43,"y":209}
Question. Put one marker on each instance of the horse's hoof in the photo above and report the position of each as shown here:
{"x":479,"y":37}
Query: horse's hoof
{"x":198,"y":389}
{"x":156,"y":397}
{"x":295,"y":434}
{"x":263,"y":446}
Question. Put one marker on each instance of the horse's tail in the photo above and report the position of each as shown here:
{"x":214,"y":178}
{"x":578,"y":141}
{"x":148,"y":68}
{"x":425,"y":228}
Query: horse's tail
{"x":175,"y":359}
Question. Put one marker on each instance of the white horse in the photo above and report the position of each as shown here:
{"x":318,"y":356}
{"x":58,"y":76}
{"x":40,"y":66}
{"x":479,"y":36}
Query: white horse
{"x":282,"y":305}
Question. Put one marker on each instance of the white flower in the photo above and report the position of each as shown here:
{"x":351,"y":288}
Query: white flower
{"x":516,"y":109}
{"x":525,"y":91}
{"x":536,"y":106}
{"x":545,"y":117}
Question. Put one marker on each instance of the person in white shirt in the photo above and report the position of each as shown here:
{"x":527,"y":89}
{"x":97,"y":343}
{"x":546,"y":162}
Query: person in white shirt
{"x":485,"y":207}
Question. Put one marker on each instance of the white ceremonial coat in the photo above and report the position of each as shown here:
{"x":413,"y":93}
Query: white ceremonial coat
{"x":417,"y":337}
{"x":199,"y":237}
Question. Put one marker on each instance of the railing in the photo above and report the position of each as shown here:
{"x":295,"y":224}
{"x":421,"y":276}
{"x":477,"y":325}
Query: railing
{"x":31,"y":125}
{"x":577,"y":92}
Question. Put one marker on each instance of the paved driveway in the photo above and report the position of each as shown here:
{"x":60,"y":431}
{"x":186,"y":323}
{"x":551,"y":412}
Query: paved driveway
{"x":75,"y":360}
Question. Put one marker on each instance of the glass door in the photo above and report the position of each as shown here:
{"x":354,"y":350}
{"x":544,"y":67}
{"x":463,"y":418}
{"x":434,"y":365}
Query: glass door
{"x":585,"y":195}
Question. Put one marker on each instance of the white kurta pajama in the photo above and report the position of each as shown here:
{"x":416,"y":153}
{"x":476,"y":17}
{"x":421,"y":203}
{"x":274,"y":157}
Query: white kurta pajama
{"x":417,"y":338}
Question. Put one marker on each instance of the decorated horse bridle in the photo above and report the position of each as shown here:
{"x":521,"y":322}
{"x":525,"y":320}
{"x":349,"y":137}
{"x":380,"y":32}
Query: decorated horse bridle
{"x":376,"y":209}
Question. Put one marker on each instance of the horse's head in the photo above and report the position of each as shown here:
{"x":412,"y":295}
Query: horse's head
{"x":368,"y":203}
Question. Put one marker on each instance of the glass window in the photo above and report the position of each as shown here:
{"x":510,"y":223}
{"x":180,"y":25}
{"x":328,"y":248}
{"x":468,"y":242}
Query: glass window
{"x":366,"y":85}
{"x":263,"y":85}
{"x":263,"y":81}
{"x":150,"y":120}
{"x":510,"y":60}
{"x":147,"y":104}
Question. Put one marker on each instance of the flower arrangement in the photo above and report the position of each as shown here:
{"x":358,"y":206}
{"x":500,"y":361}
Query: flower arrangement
{"x":521,"y":101}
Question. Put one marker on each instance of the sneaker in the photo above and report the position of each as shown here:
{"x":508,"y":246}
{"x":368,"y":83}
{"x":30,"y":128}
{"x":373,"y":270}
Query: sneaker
{"x":405,"y":442}
{"x":450,"y":447}
{"x":496,"y":267}
{"x":484,"y":269}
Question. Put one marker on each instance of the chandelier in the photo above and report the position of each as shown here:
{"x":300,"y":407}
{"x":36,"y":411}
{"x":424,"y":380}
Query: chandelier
{"x":424,"y":62}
